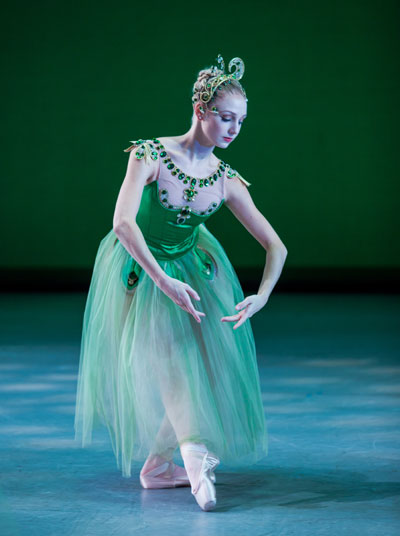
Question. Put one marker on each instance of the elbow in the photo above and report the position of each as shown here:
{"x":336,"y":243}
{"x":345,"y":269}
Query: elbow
{"x":121,"y":226}
{"x":117,"y":225}
{"x":278,"y":246}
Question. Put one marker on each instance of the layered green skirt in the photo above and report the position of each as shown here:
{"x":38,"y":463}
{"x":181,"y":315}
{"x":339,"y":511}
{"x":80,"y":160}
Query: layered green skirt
{"x":153,"y":375}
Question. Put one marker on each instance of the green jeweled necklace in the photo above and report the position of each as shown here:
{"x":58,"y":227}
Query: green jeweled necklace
{"x":189,"y":194}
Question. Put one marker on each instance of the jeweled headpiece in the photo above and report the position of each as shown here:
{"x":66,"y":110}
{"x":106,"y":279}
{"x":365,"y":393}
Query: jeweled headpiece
{"x":220,"y":79}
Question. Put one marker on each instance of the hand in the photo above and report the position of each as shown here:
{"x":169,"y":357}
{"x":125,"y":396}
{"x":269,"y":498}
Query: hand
{"x":249,"y":306}
{"x":180,"y":293}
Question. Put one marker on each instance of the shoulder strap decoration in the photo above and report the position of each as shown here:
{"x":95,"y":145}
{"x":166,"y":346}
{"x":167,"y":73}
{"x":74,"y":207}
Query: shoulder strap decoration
{"x":146,"y":150}
{"x":233,"y":173}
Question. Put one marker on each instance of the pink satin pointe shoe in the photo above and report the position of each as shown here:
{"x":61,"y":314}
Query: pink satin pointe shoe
{"x":166,"y":475}
{"x":202,"y":483}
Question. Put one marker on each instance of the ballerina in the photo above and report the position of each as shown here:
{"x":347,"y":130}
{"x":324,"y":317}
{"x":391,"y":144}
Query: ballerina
{"x":158,"y":370}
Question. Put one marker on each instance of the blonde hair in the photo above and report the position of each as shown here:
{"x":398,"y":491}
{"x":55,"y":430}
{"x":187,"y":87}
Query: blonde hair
{"x":233,"y":88}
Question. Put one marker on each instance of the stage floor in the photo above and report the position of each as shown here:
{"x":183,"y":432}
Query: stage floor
{"x":329,"y":369}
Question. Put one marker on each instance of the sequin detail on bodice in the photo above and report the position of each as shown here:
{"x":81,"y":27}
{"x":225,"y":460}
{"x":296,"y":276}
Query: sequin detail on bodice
{"x":179,"y":191}
{"x":168,"y":217}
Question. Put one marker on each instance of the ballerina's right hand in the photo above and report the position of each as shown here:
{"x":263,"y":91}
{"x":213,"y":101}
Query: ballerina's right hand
{"x":180,"y":293}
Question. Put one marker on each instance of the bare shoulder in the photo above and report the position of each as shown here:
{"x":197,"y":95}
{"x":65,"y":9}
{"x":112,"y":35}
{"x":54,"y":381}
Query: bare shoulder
{"x":171,"y":145}
{"x":162,"y":139}
{"x":169,"y":142}
{"x":236,"y":187}
{"x":143,"y":164}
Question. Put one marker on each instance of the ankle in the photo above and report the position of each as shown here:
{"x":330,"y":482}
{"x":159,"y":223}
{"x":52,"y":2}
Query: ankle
{"x":189,"y":445}
{"x":153,"y":461}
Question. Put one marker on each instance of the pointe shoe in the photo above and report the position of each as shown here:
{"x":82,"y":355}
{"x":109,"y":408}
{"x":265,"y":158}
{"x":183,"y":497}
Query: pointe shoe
{"x":166,"y":475}
{"x":203,"y":488}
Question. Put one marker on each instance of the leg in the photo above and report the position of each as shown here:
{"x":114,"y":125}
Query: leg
{"x":163,"y":447}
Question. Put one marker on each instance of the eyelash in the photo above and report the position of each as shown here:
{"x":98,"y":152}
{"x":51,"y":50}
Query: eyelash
{"x":225,"y":120}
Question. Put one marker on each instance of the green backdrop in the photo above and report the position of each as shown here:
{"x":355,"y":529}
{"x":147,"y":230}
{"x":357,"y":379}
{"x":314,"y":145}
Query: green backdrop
{"x":320,"y":144}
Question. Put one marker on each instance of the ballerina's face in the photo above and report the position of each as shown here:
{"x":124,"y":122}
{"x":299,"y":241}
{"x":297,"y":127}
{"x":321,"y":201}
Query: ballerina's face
{"x":222,"y":128}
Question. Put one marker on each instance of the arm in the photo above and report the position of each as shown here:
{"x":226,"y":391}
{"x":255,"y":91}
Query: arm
{"x":126,"y":209}
{"x":131,"y":237}
{"x":240,"y":203}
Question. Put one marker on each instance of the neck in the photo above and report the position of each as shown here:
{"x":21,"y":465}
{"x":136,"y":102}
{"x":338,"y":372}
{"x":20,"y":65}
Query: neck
{"x":195,"y":145}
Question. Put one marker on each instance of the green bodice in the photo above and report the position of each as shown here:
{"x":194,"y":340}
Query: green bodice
{"x":171,"y":227}
{"x":165,"y":237}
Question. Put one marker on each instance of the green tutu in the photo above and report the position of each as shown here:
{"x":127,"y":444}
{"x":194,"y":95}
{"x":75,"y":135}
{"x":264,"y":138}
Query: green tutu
{"x":148,"y":371}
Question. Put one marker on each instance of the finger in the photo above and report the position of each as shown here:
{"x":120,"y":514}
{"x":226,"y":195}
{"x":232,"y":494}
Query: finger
{"x":241,"y":321}
{"x":192,"y":292}
{"x":231,"y":318}
{"x":242,"y":304}
{"x":193,"y":312}
{"x":199,"y":313}
{"x":196,"y":314}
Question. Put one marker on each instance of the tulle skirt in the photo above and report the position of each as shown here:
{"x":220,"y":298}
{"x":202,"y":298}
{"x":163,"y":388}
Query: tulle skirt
{"x":153,"y":375}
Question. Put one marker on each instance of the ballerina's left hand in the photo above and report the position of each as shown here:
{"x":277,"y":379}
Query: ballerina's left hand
{"x":249,"y":306}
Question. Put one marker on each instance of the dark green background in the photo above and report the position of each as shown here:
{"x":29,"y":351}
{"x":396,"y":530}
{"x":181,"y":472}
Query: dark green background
{"x":320,"y":145}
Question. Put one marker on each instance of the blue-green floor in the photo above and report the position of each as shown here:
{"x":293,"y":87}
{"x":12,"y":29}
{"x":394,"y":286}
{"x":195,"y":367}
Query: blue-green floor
{"x":329,"y":368}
